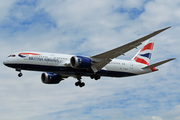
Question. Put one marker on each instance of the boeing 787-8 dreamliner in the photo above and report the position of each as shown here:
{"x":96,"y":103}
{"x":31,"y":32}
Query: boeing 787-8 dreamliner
{"x":57,"y":67}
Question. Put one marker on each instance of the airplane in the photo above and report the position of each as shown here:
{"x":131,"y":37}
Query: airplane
{"x":57,"y":67}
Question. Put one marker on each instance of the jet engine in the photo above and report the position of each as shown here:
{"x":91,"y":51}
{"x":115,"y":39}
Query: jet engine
{"x":80,"y":62}
{"x":50,"y":78}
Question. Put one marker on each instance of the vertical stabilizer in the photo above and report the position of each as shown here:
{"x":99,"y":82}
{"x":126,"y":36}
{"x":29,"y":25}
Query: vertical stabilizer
{"x":144,"y":55}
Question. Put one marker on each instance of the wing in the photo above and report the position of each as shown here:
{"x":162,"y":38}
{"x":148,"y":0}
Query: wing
{"x":103,"y":59}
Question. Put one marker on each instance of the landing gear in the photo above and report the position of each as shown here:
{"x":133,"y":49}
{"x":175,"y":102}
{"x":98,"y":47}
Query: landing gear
{"x":79,"y":82}
{"x":82,"y":84}
{"x":96,"y":77}
{"x":19,"y":70}
{"x":20,"y":74}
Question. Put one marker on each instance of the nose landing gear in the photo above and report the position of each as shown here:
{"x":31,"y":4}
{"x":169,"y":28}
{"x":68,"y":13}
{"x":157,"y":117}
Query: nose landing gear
{"x":19,"y":70}
{"x":20,"y":74}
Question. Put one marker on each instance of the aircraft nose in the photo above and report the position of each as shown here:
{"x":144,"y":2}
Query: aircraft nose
{"x":5,"y":62}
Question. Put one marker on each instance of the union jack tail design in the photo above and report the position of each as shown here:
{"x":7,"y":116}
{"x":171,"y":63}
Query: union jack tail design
{"x":144,"y":55}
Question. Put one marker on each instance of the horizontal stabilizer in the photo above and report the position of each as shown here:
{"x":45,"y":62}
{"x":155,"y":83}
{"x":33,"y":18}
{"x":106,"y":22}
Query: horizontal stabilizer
{"x":158,"y":64}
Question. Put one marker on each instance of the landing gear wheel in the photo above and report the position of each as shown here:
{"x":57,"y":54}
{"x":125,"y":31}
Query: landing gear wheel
{"x":97,"y":77}
{"x":20,"y":74}
{"x":92,"y":76}
{"x":77,"y":83}
{"x":82,"y":84}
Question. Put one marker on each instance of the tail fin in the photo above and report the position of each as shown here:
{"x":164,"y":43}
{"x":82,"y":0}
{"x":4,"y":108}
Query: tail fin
{"x":144,"y":55}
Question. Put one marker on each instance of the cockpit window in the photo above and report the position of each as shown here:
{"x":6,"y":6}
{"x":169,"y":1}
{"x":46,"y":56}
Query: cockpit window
{"x":12,"y":56}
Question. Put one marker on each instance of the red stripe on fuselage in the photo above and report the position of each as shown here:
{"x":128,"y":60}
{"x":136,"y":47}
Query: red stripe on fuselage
{"x":28,"y":54}
{"x":139,"y":60}
{"x":148,"y":47}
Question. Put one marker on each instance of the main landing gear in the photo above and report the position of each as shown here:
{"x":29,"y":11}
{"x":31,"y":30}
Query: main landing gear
{"x":19,"y":70}
{"x":82,"y":84}
{"x":96,"y":77}
{"x":79,"y":82}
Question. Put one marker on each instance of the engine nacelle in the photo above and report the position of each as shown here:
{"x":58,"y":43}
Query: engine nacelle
{"x":50,"y":78}
{"x":80,"y":62}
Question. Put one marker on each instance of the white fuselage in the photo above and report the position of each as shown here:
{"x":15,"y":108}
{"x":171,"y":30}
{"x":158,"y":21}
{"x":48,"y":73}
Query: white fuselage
{"x":60,"y":64}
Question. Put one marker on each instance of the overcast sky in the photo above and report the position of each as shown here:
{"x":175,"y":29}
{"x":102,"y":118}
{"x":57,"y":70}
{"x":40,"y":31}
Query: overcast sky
{"x":89,"y":27}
